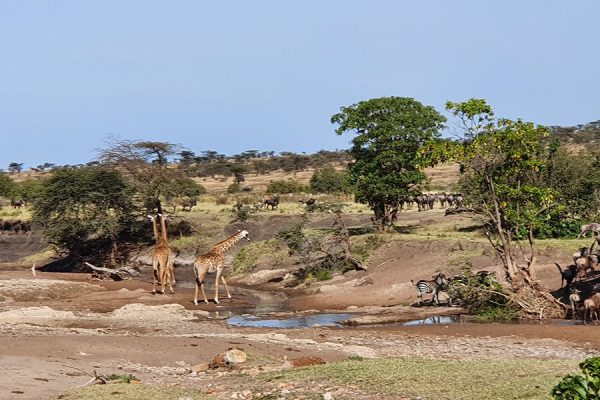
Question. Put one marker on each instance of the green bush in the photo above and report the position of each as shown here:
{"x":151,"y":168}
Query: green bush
{"x":558,"y":227}
{"x":318,"y":274}
{"x":241,"y":212}
{"x":371,"y":243}
{"x":580,"y":387}
{"x":293,"y":237}
{"x":328,"y":180}
{"x":286,"y":186}
{"x":234,"y":188}
{"x":7,"y":186}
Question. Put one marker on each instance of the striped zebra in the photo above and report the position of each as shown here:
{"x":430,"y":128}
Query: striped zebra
{"x":438,"y":284}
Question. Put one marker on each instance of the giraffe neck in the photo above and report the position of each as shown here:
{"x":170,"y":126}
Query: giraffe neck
{"x":163,"y":225}
{"x":158,"y":237}
{"x":226,"y":244}
{"x":155,"y":229}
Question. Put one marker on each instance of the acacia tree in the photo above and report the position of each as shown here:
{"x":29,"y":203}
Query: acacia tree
{"x":388,"y":166}
{"x":145,"y":165}
{"x":504,"y":163}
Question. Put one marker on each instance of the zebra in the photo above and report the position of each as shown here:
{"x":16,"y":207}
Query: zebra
{"x":438,"y":284}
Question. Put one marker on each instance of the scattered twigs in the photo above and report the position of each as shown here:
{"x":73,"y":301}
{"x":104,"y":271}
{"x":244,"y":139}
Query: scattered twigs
{"x":385,"y":262}
{"x":96,"y":379}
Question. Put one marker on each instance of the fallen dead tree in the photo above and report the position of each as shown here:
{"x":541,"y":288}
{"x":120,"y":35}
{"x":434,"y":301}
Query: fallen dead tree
{"x":116,"y":274}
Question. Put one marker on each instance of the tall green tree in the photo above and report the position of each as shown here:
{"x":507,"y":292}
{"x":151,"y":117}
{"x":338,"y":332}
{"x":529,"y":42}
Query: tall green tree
{"x":504,"y":162}
{"x":390,"y":132}
{"x":83,"y":211}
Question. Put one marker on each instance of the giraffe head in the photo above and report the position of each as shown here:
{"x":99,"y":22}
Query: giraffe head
{"x":244,"y":234}
{"x":151,"y":217}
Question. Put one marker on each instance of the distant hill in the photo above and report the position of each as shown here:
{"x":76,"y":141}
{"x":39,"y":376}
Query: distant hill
{"x":583,"y":136}
{"x":216,"y":171}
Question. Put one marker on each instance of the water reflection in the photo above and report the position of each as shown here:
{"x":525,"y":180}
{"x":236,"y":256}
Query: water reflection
{"x":436,"y":319}
{"x":304,"y":321}
{"x":220,"y":314}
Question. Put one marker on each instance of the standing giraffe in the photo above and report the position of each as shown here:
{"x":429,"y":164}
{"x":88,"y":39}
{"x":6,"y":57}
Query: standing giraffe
{"x":160,"y":259}
{"x":171,"y":260}
{"x":214,"y":261}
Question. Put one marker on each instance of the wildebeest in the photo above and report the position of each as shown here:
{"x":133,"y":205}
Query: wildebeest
{"x":309,"y":203}
{"x":17,"y":203}
{"x":567,"y":275}
{"x":15,"y":226}
{"x":187,"y":204}
{"x":273,"y":202}
{"x":442,"y":199}
{"x":592,"y":227}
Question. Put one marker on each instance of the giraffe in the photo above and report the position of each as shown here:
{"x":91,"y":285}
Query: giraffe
{"x":171,"y":260}
{"x":214,"y":261}
{"x":160,"y":259}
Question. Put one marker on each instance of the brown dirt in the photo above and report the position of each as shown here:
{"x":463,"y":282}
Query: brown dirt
{"x":56,"y":322}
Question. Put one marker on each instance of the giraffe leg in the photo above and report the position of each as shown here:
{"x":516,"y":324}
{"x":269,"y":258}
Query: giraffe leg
{"x":169,"y":277}
{"x":217,"y":286}
{"x":172,"y":267}
{"x":200,"y":274}
{"x":225,"y":284}
{"x":163,"y":272}
{"x":154,"y":273}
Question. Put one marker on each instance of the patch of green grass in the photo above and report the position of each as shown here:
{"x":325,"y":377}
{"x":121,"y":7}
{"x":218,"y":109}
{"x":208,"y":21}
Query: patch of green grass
{"x":248,"y":256}
{"x":564,"y":244}
{"x":124,"y":391}
{"x":364,"y":246}
{"x":440,"y":380}
{"x":462,"y":258}
{"x":125,"y":378}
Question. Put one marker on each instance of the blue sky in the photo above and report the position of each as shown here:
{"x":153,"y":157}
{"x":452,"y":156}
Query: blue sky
{"x":238,"y":75}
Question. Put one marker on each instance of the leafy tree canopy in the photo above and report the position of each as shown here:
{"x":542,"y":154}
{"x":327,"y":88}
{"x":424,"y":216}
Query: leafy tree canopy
{"x":390,"y":132}
{"x":78,"y":207}
{"x":145,"y":166}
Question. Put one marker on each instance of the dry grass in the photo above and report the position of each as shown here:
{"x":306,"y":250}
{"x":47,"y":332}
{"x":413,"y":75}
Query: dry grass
{"x":443,"y":177}
{"x":11,"y":213}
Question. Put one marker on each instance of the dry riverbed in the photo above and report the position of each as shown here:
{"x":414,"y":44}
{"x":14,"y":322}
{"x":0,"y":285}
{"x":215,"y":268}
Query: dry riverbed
{"x":57,"y":328}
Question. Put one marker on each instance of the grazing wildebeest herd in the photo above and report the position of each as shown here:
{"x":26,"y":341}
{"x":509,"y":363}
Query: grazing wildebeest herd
{"x":426,"y":202}
{"x":14,"y":225}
